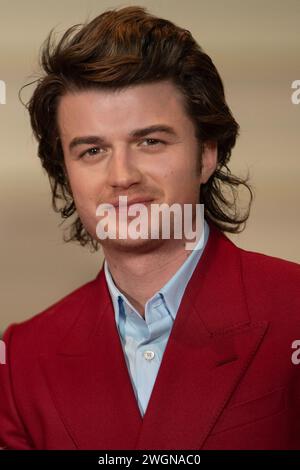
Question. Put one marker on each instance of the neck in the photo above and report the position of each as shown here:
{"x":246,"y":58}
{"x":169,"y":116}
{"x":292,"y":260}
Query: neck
{"x":140,"y":274}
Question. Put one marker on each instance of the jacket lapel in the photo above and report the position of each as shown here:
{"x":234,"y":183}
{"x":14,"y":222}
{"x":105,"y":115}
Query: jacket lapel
{"x":89,"y":381}
{"x":211,"y":345}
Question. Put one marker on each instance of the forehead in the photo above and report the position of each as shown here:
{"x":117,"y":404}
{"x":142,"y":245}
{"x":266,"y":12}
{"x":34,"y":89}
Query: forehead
{"x":123,"y":109}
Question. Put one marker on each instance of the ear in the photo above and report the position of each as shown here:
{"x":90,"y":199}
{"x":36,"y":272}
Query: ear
{"x":209,"y":160}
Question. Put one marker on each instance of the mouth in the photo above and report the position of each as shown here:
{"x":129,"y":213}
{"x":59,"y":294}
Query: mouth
{"x":123,"y":203}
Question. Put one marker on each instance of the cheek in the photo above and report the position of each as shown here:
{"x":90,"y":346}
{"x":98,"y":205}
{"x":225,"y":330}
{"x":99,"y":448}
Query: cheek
{"x":180,"y":177}
{"x":180,"y":187}
{"x":84,"y":196}
{"x":83,"y":188}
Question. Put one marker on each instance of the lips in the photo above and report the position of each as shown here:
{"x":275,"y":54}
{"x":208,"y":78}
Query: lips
{"x":128,"y":202}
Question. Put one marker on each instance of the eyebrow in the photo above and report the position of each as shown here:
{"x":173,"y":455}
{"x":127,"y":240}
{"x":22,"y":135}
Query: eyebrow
{"x":96,"y":139}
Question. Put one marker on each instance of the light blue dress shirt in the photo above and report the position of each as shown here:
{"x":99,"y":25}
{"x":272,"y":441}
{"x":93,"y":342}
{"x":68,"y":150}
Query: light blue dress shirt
{"x":144,"y":339}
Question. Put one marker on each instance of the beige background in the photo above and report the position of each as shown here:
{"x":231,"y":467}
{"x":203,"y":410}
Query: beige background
{"x":255,"y":45}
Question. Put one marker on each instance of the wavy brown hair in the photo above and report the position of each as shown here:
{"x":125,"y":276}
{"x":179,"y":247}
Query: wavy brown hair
{"x":127,"y":46}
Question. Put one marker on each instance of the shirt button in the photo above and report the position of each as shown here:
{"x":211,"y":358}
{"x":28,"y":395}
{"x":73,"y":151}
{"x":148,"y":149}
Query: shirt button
{"x":149,"y":355}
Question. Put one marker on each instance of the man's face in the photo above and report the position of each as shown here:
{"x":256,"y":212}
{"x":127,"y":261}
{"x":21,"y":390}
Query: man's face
{"x":124,"y":159}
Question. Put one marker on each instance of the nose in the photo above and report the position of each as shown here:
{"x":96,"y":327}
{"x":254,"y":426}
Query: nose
{"x":123,"y":171}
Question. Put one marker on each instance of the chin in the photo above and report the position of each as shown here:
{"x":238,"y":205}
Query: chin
{"x":131,"y":245}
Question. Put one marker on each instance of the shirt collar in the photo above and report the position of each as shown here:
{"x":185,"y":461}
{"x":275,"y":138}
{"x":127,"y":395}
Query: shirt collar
{"x":172,"y":292}
{"x":174,"y":289}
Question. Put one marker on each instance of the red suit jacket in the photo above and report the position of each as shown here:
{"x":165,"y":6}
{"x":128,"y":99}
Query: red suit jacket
{"x":226,"y":381}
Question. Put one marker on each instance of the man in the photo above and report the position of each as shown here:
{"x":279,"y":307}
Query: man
{"x":166,"y":348}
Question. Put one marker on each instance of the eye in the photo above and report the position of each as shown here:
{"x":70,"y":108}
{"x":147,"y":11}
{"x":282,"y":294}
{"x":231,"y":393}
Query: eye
{"x":90,"y":152}
{"x":154,"y":142}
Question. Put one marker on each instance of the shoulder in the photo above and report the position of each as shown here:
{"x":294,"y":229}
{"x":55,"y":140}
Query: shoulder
{"x":271,"y":286}
{"x":43,"y":331}
{"x":258,"y":270}
{"x":269,"y":269}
